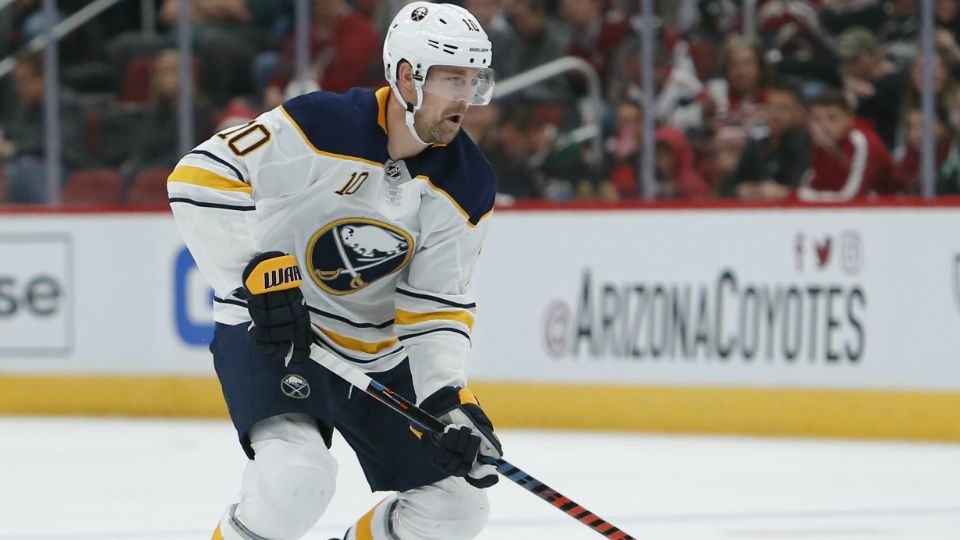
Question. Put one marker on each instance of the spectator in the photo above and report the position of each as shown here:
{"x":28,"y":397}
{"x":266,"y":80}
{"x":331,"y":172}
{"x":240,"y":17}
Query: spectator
{"x":675,"y":176}
{"x":736,"y":98}
{"x":721,"y":156}
{"x":22,"y":133}
{"x":772,"y":166}
{"x":847,"y":161}
{"x":228,"y":34}
{"x":947,"y":33}
{"x":481,"y":125}
{"x":27,"y":21}
{"x":948,"y":17}
{"x":520,"y":135}
{"x":945,"y":88}
{"x":870,"y":82}
{"x":713,"y":20}
{"x":793,"y":28}
{"x":624,"y":150}
{"x":596,"y":36}
{"x":155,"y":138}
{"x":534,"y":160}
{"x":947,"y":153}
{"x":838,"y":15}
{"x":535,"y":40}
{"x":675,"y":83}
{"x":345,"y":50}
{"x":901,"y":32}
{"x":799,"y":43}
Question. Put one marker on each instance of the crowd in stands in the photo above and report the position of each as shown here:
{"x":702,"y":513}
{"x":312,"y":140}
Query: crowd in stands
{"x":822,"y":105}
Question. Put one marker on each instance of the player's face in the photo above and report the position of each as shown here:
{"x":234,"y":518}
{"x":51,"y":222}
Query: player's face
{"x":438,"y":121}
{"x":448,"y":92}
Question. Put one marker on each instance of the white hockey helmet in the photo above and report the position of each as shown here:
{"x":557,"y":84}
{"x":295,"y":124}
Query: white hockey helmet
{"x":427,"y":35}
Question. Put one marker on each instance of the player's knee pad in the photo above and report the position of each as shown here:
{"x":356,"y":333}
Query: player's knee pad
{"x":450,"y":509}
{"x":291,"y":480}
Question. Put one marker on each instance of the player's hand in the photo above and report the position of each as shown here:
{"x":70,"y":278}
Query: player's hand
{"x":469,"y":434}
{"x":271,"y":287}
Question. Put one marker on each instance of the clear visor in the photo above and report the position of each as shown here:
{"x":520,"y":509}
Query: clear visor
{"x":469,"y":85}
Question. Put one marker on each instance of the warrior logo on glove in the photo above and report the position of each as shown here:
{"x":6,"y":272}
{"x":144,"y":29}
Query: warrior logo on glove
{"x":271,"y":288}
{"x":276,"y":274}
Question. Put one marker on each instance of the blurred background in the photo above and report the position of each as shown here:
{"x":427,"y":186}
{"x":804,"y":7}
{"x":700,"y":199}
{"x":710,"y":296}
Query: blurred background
{"x":728,"y":84}
{"x":724,"y":217}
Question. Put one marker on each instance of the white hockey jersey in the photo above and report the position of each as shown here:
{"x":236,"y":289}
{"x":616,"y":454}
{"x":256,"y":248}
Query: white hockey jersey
{"x":387,"y":272}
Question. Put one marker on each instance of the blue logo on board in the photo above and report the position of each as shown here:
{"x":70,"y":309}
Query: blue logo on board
{"x":192,"y":301}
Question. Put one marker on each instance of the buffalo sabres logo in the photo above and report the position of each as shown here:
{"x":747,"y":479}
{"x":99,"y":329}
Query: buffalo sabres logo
{"x":418,"y":14}
{"x":349,"y":254}
{"x":295,"y":386}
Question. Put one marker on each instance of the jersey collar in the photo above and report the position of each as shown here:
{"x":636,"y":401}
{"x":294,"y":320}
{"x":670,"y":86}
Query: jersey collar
{"x":382,"y":95}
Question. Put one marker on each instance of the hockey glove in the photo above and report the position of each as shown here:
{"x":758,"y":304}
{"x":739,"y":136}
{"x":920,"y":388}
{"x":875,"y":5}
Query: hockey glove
{"x":469,"y":433}
{"x":271,"y":287}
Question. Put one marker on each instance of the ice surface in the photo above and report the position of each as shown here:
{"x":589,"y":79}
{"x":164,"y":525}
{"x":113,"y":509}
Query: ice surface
{"x":113,"y":479}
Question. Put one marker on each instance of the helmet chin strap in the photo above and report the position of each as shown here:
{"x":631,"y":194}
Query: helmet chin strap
{"x":410,"y":109}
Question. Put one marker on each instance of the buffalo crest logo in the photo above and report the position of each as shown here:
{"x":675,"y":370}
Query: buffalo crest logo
{"x":349,"y":254}
{"x":419,"y":13}
{"x":295,"y":386}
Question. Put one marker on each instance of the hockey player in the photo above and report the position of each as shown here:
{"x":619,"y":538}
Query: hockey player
{"x":354,"y":220}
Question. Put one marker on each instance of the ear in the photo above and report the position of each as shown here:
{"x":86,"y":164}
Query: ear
{"x":405,"y":81}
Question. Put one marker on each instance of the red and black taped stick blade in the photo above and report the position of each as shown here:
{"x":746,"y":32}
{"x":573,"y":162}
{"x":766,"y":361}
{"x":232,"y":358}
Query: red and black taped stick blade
{"x":563,"y":503}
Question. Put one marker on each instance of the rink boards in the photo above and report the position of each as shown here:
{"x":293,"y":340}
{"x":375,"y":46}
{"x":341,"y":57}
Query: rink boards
{"x":807,"y":321}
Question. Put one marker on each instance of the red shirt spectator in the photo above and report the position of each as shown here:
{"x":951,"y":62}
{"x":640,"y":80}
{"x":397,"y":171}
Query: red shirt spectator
{"x":344,"y":48}
{"x":847,"y":161}
{"x":676,"y":178}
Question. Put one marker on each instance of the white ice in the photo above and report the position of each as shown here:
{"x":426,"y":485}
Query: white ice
{"x":115,"y":479}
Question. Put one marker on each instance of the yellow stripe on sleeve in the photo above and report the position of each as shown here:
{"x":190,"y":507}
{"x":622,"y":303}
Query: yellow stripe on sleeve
{"x":196,"y":176}
{"x":357,"y":345}
{"x":410,"y":317}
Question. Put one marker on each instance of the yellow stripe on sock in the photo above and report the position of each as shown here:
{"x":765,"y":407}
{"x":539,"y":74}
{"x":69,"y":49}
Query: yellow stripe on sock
{"x":365,"y":525}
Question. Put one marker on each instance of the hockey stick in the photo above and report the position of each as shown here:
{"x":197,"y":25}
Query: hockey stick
{"x":429,"y":422}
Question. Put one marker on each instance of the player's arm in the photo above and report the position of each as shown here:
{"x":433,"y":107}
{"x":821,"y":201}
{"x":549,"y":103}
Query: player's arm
{"x":211,"y":195}
{"x":434,"y":319}
{"x":214,"y":192}
{"x":435,"y":308}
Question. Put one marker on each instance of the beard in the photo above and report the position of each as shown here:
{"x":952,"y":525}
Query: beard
{"x":438,"y":130}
